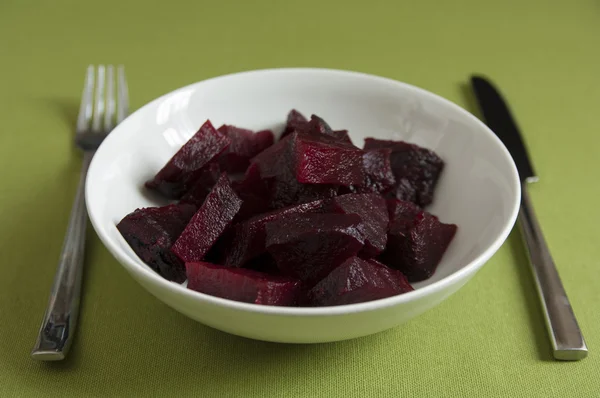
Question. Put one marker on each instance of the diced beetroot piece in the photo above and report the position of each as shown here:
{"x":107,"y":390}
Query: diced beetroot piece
{"x":356,"y":281}
{"x":416,"y":169}
{"x":218,"y":252}
{"x":321,"y":162}
{"x":295,"y":120}
{"x":244,"y":146}
{"x":185,"y":167}
{"x":285,"y":190}
{"x":263,"y":263}
{"x":309,"y":246}
{"x":373,"y":211}
{"x":401,"y":213}
{"x":254,"y":192}
{"x":379,"y":177}
{"x":416,"y":247}
{"x":240,"y":284}
{"x":342,"y":136}
{"x":249,"y":236}
{"x":277,"y":167}
{"x":203,"y":185}
{"x":317,"y":126}
{"x":152,"y":231}
{"x":209,"y":222}
{"x":276,"y":158}
{"x":262,"y":140}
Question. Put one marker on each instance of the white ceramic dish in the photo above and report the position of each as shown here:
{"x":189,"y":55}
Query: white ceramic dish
{"x":479,"y":189}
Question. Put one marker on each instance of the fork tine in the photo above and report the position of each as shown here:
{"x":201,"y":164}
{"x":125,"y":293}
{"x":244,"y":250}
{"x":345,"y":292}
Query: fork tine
{"x":109,"y":115}
{"x":85,"y":109}
{"x":99,"y":105}
{"x":123,"y":94}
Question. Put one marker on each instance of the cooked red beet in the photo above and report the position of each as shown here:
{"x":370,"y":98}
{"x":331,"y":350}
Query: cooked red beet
{"x":249,"y":236}
{"x":379,"y":177}
{"x":309,"y":246}
{"x":263,"y":263}
{"x":209,"y":222}
{"x":416,"y":169}
{"x":244,"y":146}
{"x":417,"y":240}
{"x":373,"y":211}
{"x":295,"y":120}
{"x":272,"y":160}
{"x":254,"y":192}
{"x":277,"y":167}
{"x":285,"y":190}
{"x":240,"y":284}
{"x":322,"y":161}
{"x":185,"y":167}
{"x":152,"y":231}
{"x":356,"y":281}
{"x":203,"y":185}
{"x":318,"y":126}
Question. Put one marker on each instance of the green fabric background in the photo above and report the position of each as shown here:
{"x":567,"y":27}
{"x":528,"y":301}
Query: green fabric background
{"x":488,"y":340}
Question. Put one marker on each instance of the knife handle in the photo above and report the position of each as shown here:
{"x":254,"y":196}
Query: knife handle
{"x":565,"y":335}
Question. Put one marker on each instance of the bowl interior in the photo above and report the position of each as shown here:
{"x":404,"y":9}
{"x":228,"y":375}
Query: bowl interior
{"x":478,"y":190}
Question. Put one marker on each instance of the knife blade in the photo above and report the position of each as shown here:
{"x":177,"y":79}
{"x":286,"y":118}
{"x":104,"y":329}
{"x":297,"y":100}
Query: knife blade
{"x":563,"y":330}
{"x":499,"y":119}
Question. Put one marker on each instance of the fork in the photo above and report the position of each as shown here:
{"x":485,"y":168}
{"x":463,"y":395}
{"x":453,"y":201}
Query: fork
{"x":96,"y":119}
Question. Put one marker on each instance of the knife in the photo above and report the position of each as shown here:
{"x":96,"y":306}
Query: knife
{"x":564,"y":333}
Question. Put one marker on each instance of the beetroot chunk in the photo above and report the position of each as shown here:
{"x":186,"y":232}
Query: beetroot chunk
{"x":321,"y":161}
{"x":244,"y":285}
{"x":416,"y":169}
{"x":295,"y":120}
{"x":185,"y":167}
{"x":152,"y":231}
{"x":254,"y":192}
{"x":417,"y":241}
{"x":249,"y":236}
{"x":379,"y":177}
{"x":356,"y":281}
{"x":244,"y":146}
{"x":203,"y":185}
{"x":277,"y":168}
{"x":209,"y":222}
{"x":373,"y":211}
{"x":309,"y":246}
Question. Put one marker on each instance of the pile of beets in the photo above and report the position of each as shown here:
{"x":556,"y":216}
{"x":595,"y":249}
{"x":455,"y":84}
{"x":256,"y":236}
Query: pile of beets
{"x":311,"y":220}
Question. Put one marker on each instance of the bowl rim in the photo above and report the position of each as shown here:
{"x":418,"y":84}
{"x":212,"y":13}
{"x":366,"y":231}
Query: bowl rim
{"x":142,"y":271}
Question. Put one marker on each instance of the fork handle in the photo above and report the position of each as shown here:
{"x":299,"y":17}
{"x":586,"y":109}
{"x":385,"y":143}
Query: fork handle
{"x":58,"y":326}
{"x":565,"y":335}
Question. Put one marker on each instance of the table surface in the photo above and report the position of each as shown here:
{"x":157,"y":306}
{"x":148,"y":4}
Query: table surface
{"x":487,"y":340}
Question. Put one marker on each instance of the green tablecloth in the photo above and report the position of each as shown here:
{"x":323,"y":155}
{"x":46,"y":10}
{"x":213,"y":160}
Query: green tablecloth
{"x":488,"y":340}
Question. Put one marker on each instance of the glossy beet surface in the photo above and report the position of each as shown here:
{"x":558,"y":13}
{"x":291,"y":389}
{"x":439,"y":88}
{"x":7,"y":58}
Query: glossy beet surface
{"x":277,"y":167}
{"x":244,"y":285}
{"x":203,"y":185}
{"x":416,"y":169}
{"x":303,"y":221}
{"x":209,"y":222}
{"x":322,"y":160}
{"x":245,"y":144}
{"x":308,"y":246}
{"x":249,"y":236}
{"x":356,"y":281}
{"x":373,"y":212}
{"x":295,"y":120}
{"x":377,"y":169}
{"x":152,"y":231}
{"x":185,"y":167}
{"x":417,"y":241}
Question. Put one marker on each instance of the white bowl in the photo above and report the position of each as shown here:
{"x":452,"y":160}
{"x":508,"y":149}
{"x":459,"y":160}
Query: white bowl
{"x":479,"y":189}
